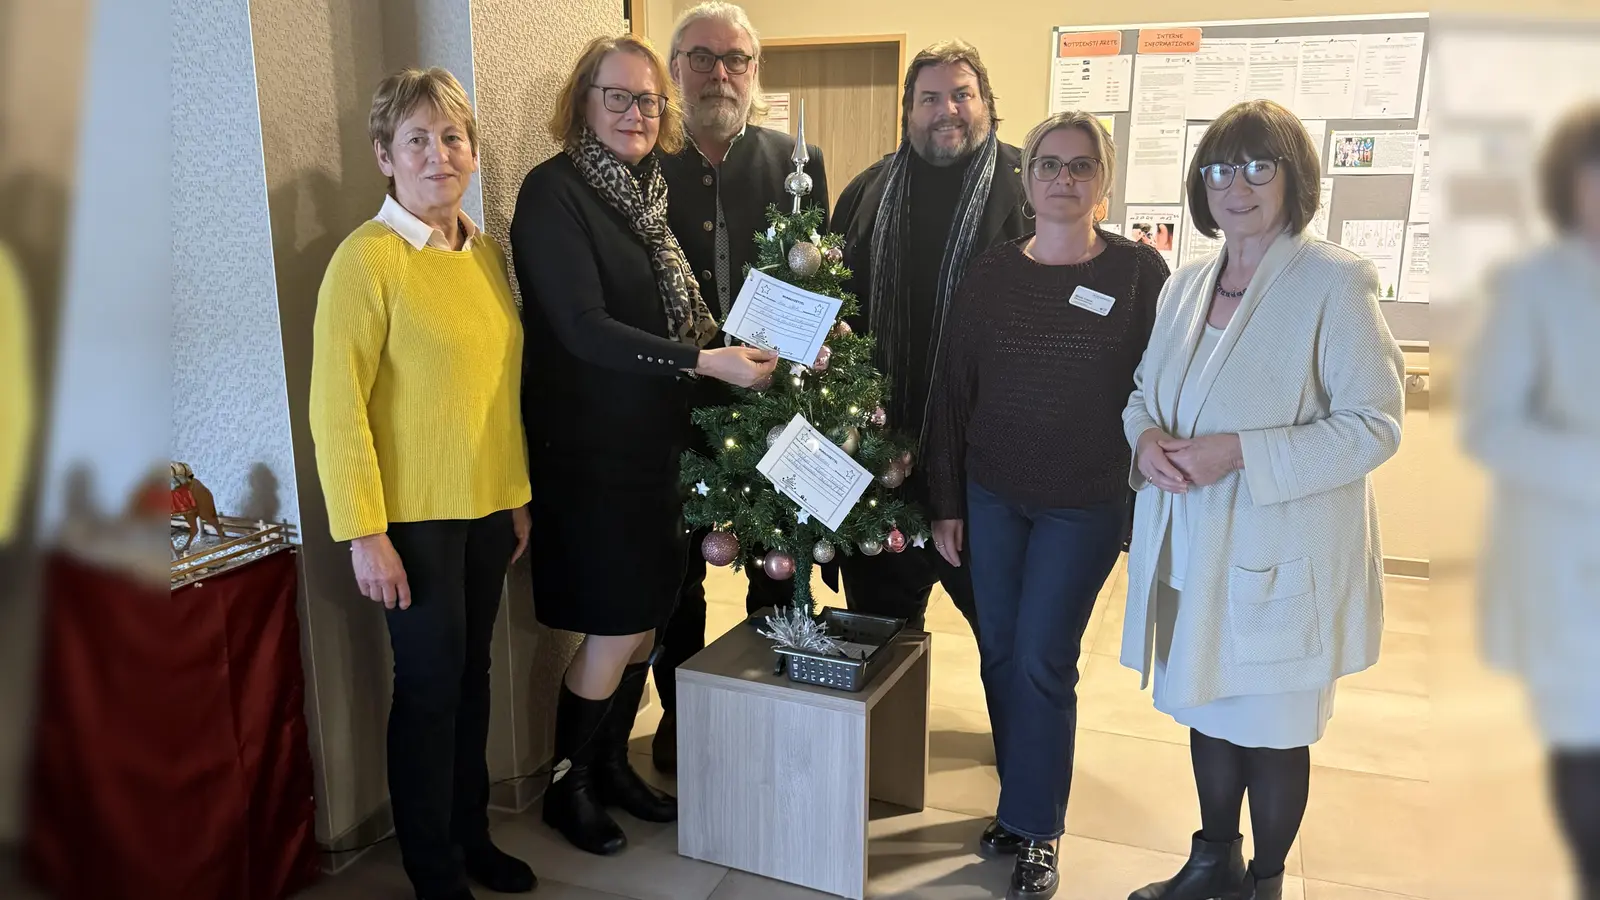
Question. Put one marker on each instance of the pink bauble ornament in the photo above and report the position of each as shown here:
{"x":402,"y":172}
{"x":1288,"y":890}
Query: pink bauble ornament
{"x":833,"y":255}
{"x":893,"y":478}
{"x":778,"y":565}
{"x":896,"y":541}
{"x":719,"y":548}
{"x":823,"y":355}
{"x":878,"y":418}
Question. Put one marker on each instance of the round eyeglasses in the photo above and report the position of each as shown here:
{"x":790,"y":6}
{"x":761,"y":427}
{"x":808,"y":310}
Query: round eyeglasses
{"x":1079,"y":168}
{"x":617,"y":100}
{"x":1219,"y":176}
{"x":704,"y":61}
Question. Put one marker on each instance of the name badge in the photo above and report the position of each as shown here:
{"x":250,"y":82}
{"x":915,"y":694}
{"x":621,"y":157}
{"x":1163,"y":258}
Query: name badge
{"x":1094,"y":301}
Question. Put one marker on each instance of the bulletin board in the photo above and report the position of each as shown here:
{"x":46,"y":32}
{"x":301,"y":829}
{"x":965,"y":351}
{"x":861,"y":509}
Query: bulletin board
{"x":1359,"y":83}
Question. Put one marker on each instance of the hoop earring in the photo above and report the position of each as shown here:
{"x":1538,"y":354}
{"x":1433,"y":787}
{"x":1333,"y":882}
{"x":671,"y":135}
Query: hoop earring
{"x":1027,"y":209}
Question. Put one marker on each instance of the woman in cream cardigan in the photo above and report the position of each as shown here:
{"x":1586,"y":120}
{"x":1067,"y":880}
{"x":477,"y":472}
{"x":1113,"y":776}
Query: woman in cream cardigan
{"x":1530,"y":415}
{"x":1270,"y":390}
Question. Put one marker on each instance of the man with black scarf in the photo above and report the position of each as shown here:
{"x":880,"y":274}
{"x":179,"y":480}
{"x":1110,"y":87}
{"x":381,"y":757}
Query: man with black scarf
{"x":911,"y":223}
{"x":718,"y":189}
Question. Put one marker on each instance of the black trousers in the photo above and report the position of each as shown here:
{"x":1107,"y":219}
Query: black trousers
{"x":686,"y":631}
{"x":439,"y":720}
{"x":899,"y":584}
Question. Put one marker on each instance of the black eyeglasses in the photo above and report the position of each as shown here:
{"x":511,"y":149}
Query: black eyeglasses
{"x":704,"y":61}
{"x":1219,"y":176}
{"x":1079,"y":168}
{"x":617,"y":100}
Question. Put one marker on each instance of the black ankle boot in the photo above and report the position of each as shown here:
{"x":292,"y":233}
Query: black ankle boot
{"x":496,"y":869}
{"x":998,"y":841}
{"x":616,"y":783}
{"x":572,"y":804}
{"x":1256,"y":888}
{"x":1215,"y":869}
{"x":1035,"y":876}
{"x":664,"y":747}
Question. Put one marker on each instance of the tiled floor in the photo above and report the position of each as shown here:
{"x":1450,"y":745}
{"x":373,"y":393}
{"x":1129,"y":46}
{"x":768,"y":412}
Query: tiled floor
{"x":1133,"y":805}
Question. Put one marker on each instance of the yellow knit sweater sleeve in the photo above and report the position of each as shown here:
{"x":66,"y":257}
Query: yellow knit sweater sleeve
{"x":352,"y":324}
{"x":16,"y":394}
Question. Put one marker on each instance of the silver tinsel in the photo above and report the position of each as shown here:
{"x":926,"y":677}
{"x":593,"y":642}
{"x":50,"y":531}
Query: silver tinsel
{"x":795,"y":629}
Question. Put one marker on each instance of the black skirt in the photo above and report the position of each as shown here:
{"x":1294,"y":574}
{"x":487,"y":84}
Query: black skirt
{"x":609,"y":548}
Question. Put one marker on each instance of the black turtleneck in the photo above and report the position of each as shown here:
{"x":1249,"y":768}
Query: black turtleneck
{"x":934,"y":193}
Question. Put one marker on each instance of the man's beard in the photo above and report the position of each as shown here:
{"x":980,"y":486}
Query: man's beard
{"x":942,"y":155}
{"x":718,"y":112}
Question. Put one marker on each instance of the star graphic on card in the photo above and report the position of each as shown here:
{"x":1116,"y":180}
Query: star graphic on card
{"x":702,"y":488}
{"x":802,"y":517}
{"x":919,"y":541}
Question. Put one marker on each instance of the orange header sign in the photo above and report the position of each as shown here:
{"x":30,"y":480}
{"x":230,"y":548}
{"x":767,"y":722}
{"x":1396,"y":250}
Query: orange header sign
{"x":1169,"y":40}
{"x":1089,"y":43}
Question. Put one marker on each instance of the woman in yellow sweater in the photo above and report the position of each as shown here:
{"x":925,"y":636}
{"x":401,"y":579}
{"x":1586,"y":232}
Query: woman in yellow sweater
{"x":415,"y":387}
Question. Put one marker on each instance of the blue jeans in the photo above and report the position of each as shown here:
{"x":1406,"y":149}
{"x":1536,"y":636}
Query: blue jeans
{"x":1036,"y":573}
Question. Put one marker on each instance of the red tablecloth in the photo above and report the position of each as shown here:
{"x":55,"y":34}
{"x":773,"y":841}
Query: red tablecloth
{"x":170,"y":757}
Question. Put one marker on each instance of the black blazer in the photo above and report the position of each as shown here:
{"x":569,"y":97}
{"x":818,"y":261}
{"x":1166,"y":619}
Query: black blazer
{"x":857,"y":214}
{"x":602,"y":380}
{"x":749,"y":179}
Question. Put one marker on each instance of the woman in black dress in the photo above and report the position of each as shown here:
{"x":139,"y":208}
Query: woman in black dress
{"x":614,"y":326}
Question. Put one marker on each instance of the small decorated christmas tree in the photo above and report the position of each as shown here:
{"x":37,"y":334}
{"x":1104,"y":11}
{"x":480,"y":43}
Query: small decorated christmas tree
{"x":842,"y":395}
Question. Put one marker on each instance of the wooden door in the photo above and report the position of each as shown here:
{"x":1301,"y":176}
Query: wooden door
{"x":851,"y":87}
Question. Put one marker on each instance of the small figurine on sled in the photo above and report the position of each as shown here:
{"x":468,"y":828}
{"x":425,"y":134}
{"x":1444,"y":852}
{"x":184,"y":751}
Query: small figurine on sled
{"x":193,"y":501}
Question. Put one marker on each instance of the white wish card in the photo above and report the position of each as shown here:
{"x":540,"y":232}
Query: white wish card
{"x":814,"y":472}
{"x":779,"y":316}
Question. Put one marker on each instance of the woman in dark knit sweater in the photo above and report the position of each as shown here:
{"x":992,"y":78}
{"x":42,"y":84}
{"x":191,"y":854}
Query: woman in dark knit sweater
{"x":1026,"y":456}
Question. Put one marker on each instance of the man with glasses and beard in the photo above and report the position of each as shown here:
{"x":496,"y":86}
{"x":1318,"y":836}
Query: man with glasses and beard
{"x":719,"y":187}
{"x":911,"y":224}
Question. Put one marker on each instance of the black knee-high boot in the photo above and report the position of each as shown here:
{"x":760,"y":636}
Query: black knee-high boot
{"x":1575,"y":780}
{"x":572,"y":804}
{"x":616,"y":782}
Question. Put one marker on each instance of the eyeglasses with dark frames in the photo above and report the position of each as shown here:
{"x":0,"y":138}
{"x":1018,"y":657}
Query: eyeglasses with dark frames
{"x":1219,"y":176}
{"x":618,"y":100}
{"x":703,"y":61}
{"x":1049,"y":168}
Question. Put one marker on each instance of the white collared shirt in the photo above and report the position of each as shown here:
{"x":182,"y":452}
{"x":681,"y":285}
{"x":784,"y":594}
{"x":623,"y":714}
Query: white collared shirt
{"x":418,"y":233}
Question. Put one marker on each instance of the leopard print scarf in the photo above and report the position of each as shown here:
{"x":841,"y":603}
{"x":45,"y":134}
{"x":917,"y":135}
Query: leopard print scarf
{"x":642,"y":200}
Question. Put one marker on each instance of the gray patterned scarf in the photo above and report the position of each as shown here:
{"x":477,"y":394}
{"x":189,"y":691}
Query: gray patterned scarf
{"x":890,"y":313}
{"x":642,"y":200}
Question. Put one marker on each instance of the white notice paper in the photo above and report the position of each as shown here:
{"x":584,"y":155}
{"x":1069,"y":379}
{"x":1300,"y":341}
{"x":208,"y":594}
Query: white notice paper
{"x":1099,"y":84}
{"x":1220,"y":69}
{"x":1372,"y":153}
{"x":1380,"y":241}
{"x":777,"y":112}
{"x":1196,"y":245}
{"x":1391,"y":66}
{"x":1274,"y":70}
{"x":1421,"y":190}
{"x":1161,"y":88}
{"x":1155,"y":164}
{"x":1319,"y":222}
{"x":1327,"y":88}
{"x":1414,"y":276}
{"x":1156,"y":226}
{"x":1319,"y":139}
{"x":1424,"y":101}
{"x":779,"y":316}
{"x":814,"y":472}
